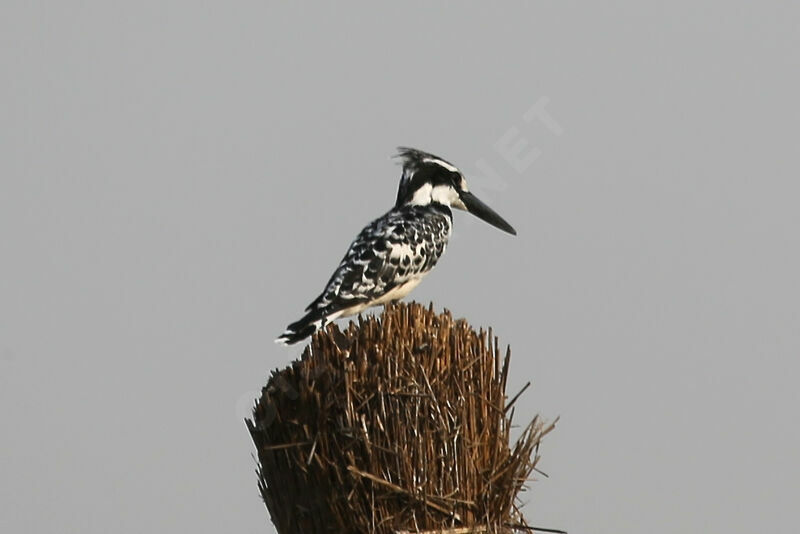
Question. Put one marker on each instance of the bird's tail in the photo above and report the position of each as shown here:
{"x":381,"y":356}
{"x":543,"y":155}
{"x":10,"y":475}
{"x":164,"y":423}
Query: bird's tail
{"x":310,"y":323}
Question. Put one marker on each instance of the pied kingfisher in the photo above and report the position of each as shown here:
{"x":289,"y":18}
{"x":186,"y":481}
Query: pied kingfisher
{"x":392,"y":253}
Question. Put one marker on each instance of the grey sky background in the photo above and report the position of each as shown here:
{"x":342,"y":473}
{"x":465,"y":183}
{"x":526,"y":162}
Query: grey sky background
{"x":179,"y":179}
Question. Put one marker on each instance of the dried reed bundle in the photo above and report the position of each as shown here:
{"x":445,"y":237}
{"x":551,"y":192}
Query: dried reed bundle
{"x":397,"y":424}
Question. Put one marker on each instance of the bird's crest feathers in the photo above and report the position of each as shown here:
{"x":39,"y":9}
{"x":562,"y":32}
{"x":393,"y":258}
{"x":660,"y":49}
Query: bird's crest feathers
{"x":421,"y":171}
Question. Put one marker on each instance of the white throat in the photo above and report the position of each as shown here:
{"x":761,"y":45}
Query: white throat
{"x":443,"y":194}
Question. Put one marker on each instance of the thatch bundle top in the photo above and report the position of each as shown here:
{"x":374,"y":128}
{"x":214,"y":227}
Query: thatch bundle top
{"x":398,"y":423}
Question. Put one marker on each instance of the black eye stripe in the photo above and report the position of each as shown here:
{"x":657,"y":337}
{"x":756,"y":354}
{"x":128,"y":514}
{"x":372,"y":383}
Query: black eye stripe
{"x":421,"y":169}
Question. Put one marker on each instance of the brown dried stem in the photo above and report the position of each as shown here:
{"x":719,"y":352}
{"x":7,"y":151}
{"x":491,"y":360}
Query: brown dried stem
{"x":398,"y":424}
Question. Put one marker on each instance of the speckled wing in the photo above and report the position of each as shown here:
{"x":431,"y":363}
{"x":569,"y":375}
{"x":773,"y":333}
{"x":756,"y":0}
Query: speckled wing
{"x":392,"y":251}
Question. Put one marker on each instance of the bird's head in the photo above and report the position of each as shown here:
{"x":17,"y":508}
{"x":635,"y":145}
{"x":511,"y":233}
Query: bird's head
{"x":429,"y":179}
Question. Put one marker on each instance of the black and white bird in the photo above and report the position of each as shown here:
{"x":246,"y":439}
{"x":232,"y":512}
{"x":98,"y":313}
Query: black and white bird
{"x":394,"y":252}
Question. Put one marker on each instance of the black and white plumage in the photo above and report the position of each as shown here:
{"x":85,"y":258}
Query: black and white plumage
{"x":392,"y":254}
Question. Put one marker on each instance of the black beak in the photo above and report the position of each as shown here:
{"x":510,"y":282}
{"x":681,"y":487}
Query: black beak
{"x":482,"y":211}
